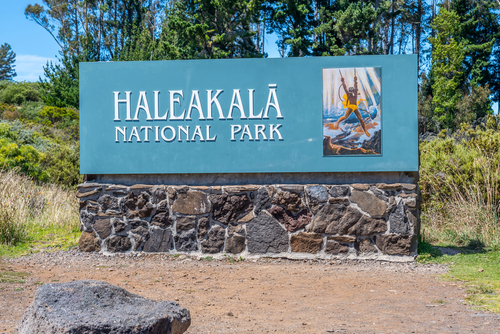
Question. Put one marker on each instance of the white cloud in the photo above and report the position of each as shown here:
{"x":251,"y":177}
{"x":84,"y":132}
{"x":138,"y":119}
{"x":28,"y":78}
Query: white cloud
{"x":29,"y":67}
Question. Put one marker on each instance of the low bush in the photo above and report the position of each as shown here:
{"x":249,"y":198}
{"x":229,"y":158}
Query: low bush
{"x":19,"y":92}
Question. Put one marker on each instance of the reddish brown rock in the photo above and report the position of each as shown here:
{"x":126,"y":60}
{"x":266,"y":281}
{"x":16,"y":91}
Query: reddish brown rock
{"x":291,"y":222}
{"x":89,"y":242}
{"x":341,"y":238}
{"x":392,"y":244}
{"x":306,"y":242}
{"x":328,"y":214}
{"x":342,"y":225}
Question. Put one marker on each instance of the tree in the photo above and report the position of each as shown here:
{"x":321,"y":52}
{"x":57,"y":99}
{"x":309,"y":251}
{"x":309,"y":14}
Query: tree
{"x":7,"y":59}
{"x":448,"y":55}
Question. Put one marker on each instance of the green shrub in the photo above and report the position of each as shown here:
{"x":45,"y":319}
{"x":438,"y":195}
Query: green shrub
{"x":19,"y":92}
{"x":23,"y":158}
{"x":63,"y":166}
{"x":30,"y":110}
{"x":50,"y":115}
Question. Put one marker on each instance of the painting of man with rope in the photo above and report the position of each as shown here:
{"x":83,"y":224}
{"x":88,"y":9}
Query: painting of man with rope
{"x":352,"y":111}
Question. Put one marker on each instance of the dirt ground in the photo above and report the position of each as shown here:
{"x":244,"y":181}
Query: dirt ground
{"x":266,"y":296}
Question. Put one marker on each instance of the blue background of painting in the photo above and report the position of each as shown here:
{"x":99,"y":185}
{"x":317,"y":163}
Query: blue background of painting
{"x":299,"y":88}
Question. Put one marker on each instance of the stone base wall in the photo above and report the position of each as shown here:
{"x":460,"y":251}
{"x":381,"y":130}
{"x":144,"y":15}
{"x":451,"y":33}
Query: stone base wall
{"x":379,"y":221}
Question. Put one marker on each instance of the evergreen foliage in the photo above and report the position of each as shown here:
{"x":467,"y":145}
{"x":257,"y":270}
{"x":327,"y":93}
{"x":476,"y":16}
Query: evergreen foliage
{"x":7,"y":60}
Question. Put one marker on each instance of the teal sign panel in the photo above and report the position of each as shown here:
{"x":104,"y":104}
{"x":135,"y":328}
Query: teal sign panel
{"x":324,"y":114}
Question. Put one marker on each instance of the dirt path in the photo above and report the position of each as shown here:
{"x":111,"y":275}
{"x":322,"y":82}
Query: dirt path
{"x":266,"y":296}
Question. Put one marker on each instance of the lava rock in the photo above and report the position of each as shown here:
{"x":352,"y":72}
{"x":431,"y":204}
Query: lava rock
{"x":162,"y":219}
{"x":89,"y":242}
{"x":368,"y":202}
{"x":191,"y":203}
{"x":235,"y":244}
{"x":265,"y":235}
{"x":306,"y":242}
{"x":185,"y":223}
{"x":291,"y":222}
{"x":328,"y":214}
{"x":368,"y":226}
{"x":365,"y":246}
{"x":290,"y":201}
{"x":159,"y":240}
{"x":93,"y":307}
{"x":103,"y":228}
{"x":87,"y":220}
{"x":227,"y":209}
{"x":398,"y":220}
{"x":393,"y":244}
{"x":186,"y":241}
{"x":341,"y":226}
{"x":117,"y":244}
{"x":215,"y":240}
{"x":339,"y":191}
{"x":203,"y":227}
{"x":262,"y":200}
{"x":317,"y":194}
{"x":335,"y":248}
{"x":108,"y":202}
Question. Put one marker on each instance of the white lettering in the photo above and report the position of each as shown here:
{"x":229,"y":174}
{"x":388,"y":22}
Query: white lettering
{"x":234,"y":130}
{"x":173,"y":100}
{"x":145,"y":107}
{"x":157,"y":107}
{"x":273,"y":130}
{"x":197,"y":106}
{"x":239,"y":105}
{"x":275,"y":104}
{"x":135,"y":134}
{"x":146,"y":133}
{"x":208,"y":134}
{"x":246,"y":131}
{"x":117,"y":101}
{"x":197,"y":132}
{"x":210,"y":101}
{"x":250,"y":106}
{"x":123,"y":132}
{"x":185,"y":130}
{"x":259,"y":129}
{"x":168,"y":127}
{"x":157,"y":139}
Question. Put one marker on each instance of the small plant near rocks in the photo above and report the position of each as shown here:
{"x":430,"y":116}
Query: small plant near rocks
{"x":208,"y":258}
{"x":9,"y":276}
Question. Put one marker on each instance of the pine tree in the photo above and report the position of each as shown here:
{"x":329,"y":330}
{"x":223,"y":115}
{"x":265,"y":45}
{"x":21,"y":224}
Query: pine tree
{"x":7,"y":59}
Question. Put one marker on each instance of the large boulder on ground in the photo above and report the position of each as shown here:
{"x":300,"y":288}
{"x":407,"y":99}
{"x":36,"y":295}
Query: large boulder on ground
{"x":93,"y":307}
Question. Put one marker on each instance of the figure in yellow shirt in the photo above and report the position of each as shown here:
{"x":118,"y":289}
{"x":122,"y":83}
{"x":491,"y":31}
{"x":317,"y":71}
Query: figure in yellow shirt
{"x":351,"y":103}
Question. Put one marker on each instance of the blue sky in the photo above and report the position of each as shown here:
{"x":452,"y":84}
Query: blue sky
{"x":34,"y":46}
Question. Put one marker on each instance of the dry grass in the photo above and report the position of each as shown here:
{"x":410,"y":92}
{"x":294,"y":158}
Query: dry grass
{"x":469,"y":216}
{"x":26,"y":207}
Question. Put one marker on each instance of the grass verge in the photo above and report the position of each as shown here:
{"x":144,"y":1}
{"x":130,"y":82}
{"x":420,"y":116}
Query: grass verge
{"x":479,"y":271}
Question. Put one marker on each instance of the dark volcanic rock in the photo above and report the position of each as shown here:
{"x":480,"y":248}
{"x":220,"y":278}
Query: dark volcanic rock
{"x":119,"y":225}
{"x":368,"y":226}
{"x":89,"y":242}
{"x":108,"y":202}
{"x":93,"y":307}
{"x":185,"y":223}
{"x":262,"y":200}
{"x":335,"y":248}
{"x":191,"y":203}
{"x":215,"y":240}
{"x":339,"y":191}
{"x":265,"y":235}
{"x":159,"y":240}
{"x":398,"y":220}
{"x":117,"y":244}
{"x":306,"y":242}
{"x":290,"y":201}
{"x":291,"y":222}
{"x":227,"y":208}
{"x":365,"y":246}
{"x":393,"y":244}
{"x":102,"y":228}
{"x":159,"y":194}
{"x":137,"y":206}
{"x":327,"y":215}
{"x":203,"y":227}
{"x":162,"y":219}
{"x":317,"y":194}
{"x":342,"y":225}
{"x":235,"y":244}
{"x":186,"y":241}
{"x":87,"y":220}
